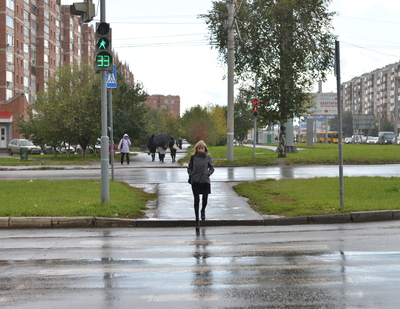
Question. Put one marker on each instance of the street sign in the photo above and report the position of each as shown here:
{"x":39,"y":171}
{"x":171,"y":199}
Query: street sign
{"x":363,"y":122}
{"x":323,"y":104}
{"x":111,"y":78}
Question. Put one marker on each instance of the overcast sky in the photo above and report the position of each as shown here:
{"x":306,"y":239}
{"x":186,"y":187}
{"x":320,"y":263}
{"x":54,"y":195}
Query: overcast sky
{"x":166,"y":47}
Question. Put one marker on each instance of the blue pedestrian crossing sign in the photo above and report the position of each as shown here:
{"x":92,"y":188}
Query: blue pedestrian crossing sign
{"x":111,"y":78}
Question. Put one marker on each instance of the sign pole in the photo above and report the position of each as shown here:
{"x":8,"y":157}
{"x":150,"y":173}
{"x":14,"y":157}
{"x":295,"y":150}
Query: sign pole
{"x":105,"y":182}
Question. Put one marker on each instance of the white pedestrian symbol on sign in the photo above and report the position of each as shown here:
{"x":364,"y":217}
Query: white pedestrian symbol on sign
{"x":111,"y":79}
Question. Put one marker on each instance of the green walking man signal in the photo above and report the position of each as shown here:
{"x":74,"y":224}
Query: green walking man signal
{"x":103,"y":60}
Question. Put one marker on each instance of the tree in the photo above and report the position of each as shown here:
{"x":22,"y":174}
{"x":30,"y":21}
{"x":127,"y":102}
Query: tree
{"x":129,"y":110}
{"x":347,"y":123}
{"x":219,"y":127}
{"x":196,"y":125}
{"x":243,"y":114}
{"x":68,"y":110}
{"x":161,"y":121}
{"x":287,"y":44}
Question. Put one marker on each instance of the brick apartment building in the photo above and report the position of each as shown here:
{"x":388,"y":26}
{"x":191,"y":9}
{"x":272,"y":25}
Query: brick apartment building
{"x":171,"y":102}
{"x":372,"y":93}
{"x":36,"y":38}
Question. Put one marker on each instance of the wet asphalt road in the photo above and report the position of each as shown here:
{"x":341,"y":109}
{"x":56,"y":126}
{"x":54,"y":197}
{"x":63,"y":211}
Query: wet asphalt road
{"x":319,"y":266}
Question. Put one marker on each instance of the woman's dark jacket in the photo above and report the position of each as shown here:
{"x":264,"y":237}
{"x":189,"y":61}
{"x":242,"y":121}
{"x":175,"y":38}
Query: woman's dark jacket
{"x":200,"y":168}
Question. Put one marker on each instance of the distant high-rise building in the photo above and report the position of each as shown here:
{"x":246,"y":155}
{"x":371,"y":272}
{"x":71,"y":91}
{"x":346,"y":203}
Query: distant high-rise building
{"x":373,"y":93}
{"x":159,"y":101}
{"x":36,"y":38}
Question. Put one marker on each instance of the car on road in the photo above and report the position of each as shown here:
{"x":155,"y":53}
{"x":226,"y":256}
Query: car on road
{"x":372,"y":140}
{"x":348,"y":140}
{"x":16,"y":144}
{"x":385,"y":138}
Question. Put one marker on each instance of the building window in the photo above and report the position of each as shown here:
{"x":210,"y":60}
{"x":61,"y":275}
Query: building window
{"x":26,"y":31}
{"x":9,"y":94}
{"x":46,"y":14}
{"x":26,"y":15}
{"x":57,"y":23}
{"x":10,"y":22}
{"x":26,"y":81}
{"x":46,"y":58}
{"x":26,"y":48}
{"x":9,"y":76}
{"x":46,"y":43}
{"x":10,"y":40}
{"x":10,"y":4}
{"x":10,"y":58}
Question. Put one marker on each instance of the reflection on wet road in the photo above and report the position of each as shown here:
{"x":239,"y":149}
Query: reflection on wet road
{"x":175,"y":174}
{"x":330,"y":266}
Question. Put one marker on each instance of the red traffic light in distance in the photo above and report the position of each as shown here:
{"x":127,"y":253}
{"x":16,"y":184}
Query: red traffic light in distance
{"x":255,"y":103}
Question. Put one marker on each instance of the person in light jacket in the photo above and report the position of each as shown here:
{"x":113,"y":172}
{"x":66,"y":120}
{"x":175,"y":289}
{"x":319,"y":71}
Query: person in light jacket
{"x":200,"y":169}
{"x":124,"y":145}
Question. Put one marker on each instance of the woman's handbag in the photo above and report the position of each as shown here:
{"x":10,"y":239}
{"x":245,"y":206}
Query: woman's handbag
{"x":175,"y":146}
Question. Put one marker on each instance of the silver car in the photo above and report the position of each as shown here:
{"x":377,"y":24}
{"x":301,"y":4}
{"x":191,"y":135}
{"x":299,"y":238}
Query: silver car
{"x":15,"y":146}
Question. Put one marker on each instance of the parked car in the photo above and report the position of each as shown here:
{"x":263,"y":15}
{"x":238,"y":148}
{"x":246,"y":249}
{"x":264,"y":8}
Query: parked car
{"x":61,"y":148}
{"x":348,"y":140}
{"x":385,"y":138}
{"x":16,"y":144}
{"x":358,"y":139}
{"x":371,"y":140}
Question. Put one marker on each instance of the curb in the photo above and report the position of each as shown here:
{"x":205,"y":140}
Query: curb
{"x":99,"y":222}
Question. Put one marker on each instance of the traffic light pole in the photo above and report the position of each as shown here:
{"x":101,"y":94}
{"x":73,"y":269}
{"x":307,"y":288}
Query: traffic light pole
{"x":105,"y":185}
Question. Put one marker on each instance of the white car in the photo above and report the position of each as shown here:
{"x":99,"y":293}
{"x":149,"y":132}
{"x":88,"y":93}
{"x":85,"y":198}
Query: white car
{"x":16,"y":144}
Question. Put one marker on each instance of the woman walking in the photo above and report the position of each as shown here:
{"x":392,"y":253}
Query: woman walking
{"x":173,"y":148}
{"x":200,"y":169}
{"x":124,"y":145}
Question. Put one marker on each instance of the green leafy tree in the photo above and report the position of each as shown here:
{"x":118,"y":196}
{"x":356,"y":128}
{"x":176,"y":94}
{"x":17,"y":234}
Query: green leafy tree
{"x":243,"y":114}
{"x":68,"y":110}
{"x":287,"y":44}
{"x":196,"y":125}
{"x":219,"y":129}
{"x":347,"y":123}
{"x":161,"y":121}
{"x":129,"y":110}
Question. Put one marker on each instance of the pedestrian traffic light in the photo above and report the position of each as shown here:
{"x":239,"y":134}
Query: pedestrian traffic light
{"x":255,"y":107}
{"x":103,"y":60}
{"x":85,"y":9}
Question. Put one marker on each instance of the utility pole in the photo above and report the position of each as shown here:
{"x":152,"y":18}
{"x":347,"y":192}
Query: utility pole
{"x":340,"y":124}
{"x":231,"y":64}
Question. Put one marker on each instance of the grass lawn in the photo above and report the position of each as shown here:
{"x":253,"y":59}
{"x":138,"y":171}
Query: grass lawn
{"x":70,"y":198}
{"x":289,"y":197}
{"x":317,"y":196}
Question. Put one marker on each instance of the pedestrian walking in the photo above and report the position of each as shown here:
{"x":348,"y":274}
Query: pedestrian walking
{"x":200,"y":169}
{"x":111,"y":150}
{"x":162,"y":150}
{"x":180,"y":143}
{"x":124,"y":145}
{"x":152,"y":147}
{"x":173,"y":147}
